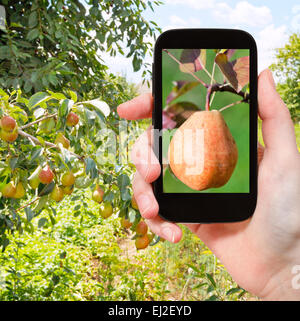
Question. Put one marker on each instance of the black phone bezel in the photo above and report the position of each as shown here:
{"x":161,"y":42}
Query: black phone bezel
{"x":205,"y":207}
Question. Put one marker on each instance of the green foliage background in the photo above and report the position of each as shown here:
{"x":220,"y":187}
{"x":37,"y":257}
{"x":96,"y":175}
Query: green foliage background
{"x":237,"y":119}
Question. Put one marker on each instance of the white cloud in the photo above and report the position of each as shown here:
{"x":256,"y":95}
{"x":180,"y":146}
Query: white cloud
{"x":177,"y":22}
{"x":269,"y":39}
{"x":243,"y":13}
{"x":194,"y":4}
{"x":296,"y":18}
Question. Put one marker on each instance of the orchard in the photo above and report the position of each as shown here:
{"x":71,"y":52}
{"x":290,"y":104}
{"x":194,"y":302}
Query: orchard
{"x":49,"y":151}
{"x":57,"y":112}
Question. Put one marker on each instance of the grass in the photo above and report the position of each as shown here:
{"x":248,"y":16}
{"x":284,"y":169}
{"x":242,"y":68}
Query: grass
{"x":86,"y":258}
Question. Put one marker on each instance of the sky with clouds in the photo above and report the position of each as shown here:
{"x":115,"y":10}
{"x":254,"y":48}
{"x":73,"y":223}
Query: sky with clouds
{"x":270,"y":22}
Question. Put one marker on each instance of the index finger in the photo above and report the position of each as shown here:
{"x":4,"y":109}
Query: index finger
{"x":137,"y":108}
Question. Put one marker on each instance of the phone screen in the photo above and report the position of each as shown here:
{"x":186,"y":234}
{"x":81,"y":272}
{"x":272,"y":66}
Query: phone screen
{"x":206,"y":121}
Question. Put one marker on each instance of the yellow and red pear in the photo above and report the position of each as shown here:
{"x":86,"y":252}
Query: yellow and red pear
{"x":142,"y":242}
{"x":202,"y":152}
{"x":125,"y":222}
{"x":46,"y":175}
{"x":57,"y":193}
{"x":72,"y":119}
{"x":9,"y":137}
{"x":98,"y":194}
{"x":141,"y":228}
{"x":20,"y":191}
{"x":106,"y":210}
{"x":9,"y":190}
{"x":68,"y":179}
{"x":7,"y":123}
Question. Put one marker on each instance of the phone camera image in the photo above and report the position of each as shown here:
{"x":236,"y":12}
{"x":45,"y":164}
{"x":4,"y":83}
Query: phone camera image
{"x":205,"y":120}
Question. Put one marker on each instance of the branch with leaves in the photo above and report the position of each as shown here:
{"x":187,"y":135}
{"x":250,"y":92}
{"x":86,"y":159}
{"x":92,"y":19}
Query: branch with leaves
{"x":191,"y":61}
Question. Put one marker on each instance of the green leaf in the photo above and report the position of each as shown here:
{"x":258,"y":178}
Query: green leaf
{"x":65,"y":107}
{"x":42,"y":222}
{"x":211,"y":279}
{"x":55,"y":279}
{"x":91,"y":168}
{"x":212,"y":298}
{"x":98,"y":105}
{"x":123,"y":181}
{"x":233,"y":291}
{"x":125,"y":194}
{"x":180,"y":88}
{"x":32,"y":34}
{"x":131,"y":215}
{"x":37,"y":99}
{"x":29,"y":213}
{"x":13,"y":162}
{"x":32,"y":20}
{"x":73,"y":95}
{"x":36,"y":153}
{"x":45,"y":189}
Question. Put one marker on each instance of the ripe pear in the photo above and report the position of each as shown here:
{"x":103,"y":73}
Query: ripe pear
{"x":9,"y":190}
{"x":202,"y":152}
{"x":134,"y":203}
{"x":106,"y":210}
{"x":8,"y":124}
{"x":68,"y":179}
{"x":57,"y":193}
{"x":34,"y":182}
{"x":9,"y":137}
{"x":141,"y":228}
{"x":72,"y":119}
{"x":61,"y":139}
{"x":125,"y":222}
{"x":98,"y":194}
{"x":142,"y":242}
{"x":20,"y":191}
{"x":46,"y":175}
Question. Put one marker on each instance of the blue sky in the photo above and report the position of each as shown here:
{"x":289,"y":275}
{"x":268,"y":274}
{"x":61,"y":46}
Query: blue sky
{"x":269,"y":21}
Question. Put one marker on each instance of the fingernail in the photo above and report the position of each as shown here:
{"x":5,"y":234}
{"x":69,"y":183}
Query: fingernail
{"x":144,"y":202}
{"x":168,"y":234}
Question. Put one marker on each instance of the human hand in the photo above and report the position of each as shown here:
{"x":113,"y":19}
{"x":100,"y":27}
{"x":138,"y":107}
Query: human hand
{"x":260,"y":252}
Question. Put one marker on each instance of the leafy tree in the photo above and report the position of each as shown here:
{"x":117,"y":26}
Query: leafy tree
{"x":288,"y":69}
{"x":59,"y":131}
{"x":60,"y":44}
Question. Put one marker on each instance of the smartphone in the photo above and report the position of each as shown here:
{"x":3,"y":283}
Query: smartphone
{"x":205,"y":125}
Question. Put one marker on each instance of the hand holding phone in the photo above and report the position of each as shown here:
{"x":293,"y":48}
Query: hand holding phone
{"x":258,"y":253}
{"x":205,"y":125}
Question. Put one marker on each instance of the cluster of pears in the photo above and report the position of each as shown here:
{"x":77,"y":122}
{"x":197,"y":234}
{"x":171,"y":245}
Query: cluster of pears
{"x":106,"y":208}
{"x":143,"y":239}
{"x":72,"y":120}
{"x":46,"y":176}
{"x":8,"y":129}
{"x":66,"y":187}
{"x":12,"y":190}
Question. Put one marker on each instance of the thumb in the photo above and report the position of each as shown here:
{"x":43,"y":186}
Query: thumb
{"x":277,"y":126}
